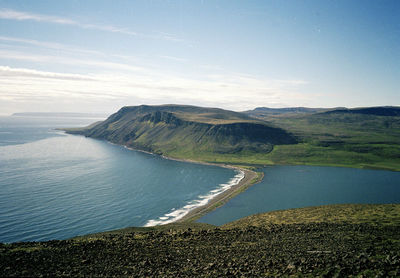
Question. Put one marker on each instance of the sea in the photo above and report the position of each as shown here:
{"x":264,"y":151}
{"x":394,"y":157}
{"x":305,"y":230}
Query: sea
{"x":57,"y":186}
{"x":286,"y":187}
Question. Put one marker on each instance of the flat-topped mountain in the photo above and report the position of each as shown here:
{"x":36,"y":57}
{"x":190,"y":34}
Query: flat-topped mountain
{"x":181,"y":130}
{"x":266,"y":111}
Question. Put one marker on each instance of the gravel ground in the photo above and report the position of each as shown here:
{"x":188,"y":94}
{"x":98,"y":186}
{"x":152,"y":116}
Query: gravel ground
{"x":315,"y":249}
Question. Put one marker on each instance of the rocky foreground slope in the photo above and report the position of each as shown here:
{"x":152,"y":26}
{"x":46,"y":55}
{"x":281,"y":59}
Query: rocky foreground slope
{"x":328,"y":249}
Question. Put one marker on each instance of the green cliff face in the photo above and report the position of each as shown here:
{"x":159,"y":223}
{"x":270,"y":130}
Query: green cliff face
{"x":176,"y":129}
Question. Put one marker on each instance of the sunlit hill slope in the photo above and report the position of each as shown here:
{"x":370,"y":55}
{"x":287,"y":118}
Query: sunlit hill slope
{"x":184,"y":131}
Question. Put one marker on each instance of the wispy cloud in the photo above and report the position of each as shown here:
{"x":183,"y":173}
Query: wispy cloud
{"x":98,"y":64}
{"x":21,"y":72}
{"x":22,"y":16}
{"x":17,"y":15}
{"x":49,"y":45}
{"x":25,"y":16}
{"x":59,"y":47}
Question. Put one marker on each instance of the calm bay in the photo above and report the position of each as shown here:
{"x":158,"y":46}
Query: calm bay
{"x":56,"y":186}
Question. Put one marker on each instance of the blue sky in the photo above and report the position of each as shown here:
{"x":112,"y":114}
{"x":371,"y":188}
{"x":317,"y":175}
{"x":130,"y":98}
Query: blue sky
{"x":98,"y":55}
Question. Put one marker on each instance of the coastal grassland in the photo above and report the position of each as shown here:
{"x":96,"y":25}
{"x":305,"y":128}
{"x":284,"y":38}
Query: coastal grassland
{"x":243,"y":158}
{"x":382,"y":156}
{"x":319,"y":246}
{"x":335,"y":139}
{"x":368,"y":156}
{"x":340,"y":139}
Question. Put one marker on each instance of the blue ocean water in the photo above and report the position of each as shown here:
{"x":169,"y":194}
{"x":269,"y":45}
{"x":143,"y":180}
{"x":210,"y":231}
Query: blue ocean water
{"x":285,"y":187}
{"x":56,"y":186}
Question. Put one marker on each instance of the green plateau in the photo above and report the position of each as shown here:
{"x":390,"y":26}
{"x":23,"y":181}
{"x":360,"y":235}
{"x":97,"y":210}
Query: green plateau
{"x":360,"y":138}
{"x":188,"y":131}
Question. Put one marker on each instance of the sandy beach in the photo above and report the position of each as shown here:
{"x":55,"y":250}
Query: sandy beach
{"x":250,"y":178}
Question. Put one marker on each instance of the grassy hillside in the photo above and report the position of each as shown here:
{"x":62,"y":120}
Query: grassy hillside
{"x":256,"y":246}
{"x":363,"y":138}
{"x":188,"y":131}
{"x":359,"y":139}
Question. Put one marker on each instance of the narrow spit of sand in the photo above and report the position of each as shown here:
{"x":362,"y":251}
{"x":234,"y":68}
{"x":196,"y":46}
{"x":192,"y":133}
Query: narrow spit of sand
{"x":250,"y":178}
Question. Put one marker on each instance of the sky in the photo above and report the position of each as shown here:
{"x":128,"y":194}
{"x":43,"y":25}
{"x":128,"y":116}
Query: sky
{"x":97,"y":56}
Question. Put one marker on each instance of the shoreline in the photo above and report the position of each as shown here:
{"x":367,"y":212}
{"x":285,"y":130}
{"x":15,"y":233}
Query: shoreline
{"x":250,"y":178}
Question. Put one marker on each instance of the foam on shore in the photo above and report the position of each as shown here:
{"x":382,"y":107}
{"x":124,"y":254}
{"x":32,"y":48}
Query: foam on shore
{"x":202,"y":200}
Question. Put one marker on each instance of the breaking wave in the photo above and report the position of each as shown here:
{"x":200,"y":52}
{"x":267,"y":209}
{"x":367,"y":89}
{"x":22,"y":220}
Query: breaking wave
{"x":176,"y":214}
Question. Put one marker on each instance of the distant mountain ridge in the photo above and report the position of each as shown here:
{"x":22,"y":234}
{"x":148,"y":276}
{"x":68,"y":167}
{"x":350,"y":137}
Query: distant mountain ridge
{"x":288,"y":110}
{"x":183,"y":129}
{"x":378,"y":111}
{"x":266,"y":111}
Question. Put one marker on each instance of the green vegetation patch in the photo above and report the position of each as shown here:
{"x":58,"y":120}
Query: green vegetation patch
{"x":339,"y":139}
{"x":387,"y":214}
